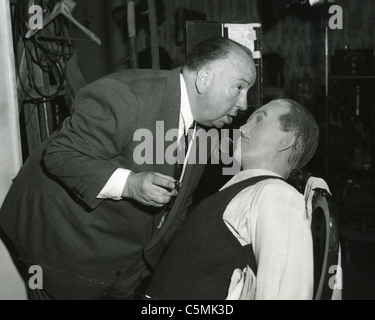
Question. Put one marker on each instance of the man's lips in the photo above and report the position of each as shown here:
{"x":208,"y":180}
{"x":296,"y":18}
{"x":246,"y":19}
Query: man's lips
{"x":229,"y":119}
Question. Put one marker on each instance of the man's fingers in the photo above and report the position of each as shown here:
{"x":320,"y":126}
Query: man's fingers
{"x":164,"y":176}
{"x":161,"y":200}
{"x":151,"y":188}
{"x":159,"y":191}
{"x":156,"y":201}
{"x":163,"y":181}
{"x":154,"y":204}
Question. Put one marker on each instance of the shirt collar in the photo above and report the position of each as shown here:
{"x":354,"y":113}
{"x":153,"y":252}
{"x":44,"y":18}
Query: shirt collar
{"x":186,"y":114}
{"x":247,"y":174}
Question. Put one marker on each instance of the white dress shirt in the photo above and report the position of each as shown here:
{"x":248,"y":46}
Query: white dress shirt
{"x":116,"y":183}
{"x":271,"y":216}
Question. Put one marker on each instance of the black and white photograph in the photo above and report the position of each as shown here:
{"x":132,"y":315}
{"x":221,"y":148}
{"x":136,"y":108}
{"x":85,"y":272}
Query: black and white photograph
{"x":184,"y":155}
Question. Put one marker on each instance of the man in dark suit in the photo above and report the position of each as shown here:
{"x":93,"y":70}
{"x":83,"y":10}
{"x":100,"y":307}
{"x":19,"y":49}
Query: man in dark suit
{"x":85,"y":208}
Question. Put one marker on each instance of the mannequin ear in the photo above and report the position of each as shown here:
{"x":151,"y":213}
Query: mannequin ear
{"x":203,"y":80}
{"x":286,"y":141}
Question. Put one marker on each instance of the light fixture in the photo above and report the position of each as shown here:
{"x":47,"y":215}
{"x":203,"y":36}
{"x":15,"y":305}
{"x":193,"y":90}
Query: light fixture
{"x":306,"y":3}
{"x":318,"y":2}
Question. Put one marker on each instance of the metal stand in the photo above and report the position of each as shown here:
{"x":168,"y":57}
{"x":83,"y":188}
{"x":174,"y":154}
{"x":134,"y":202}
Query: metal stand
{"x":327,"y":65}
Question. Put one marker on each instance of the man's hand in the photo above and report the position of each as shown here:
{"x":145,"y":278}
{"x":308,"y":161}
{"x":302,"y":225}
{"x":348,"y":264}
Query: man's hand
{"x":150,"y":188}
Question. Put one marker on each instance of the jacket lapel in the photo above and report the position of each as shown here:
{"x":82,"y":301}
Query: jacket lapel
{"x":168,"y":118}
{"x":191,"y":178}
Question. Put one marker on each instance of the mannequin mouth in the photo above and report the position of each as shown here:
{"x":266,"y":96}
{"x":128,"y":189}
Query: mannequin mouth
{"x":243,"y":136}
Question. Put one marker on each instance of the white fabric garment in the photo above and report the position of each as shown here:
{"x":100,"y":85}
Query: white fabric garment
{"x":116,"y":183}
{"x":271,"y":216}
{"x":242,"y":285}
{"x":311,"y":184}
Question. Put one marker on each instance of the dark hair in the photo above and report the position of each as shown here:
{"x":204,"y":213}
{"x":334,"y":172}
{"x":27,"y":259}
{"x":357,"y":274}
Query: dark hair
{"x":212,"y":49}
{"x":301,"y":122}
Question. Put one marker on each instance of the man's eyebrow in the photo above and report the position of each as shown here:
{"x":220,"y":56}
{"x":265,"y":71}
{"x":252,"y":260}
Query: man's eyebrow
{"x":244,"y":80}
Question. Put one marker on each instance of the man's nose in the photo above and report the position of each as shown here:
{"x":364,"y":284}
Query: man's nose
{"x":242,"y":102}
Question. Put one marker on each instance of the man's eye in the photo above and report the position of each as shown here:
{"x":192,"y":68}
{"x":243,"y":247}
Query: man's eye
{"x":258,"y":118}
{"x":239,"y":88}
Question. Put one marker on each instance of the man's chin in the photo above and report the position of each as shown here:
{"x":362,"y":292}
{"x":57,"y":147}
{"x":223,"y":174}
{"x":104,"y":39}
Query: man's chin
{"x":218,"y":124}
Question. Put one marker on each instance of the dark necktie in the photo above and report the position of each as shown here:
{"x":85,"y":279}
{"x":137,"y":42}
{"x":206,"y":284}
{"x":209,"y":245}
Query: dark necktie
{"x":183,"y":146}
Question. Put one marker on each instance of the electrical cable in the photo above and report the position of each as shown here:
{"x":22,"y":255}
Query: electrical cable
{"x":49,"y":56}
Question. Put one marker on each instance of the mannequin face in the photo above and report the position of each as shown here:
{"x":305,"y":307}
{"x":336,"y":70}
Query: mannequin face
{"x":262,"y":139}
{"x":223,"y":88}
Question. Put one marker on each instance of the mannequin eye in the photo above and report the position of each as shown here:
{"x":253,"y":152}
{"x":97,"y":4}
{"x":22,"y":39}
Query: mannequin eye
{"x":258,"y":118}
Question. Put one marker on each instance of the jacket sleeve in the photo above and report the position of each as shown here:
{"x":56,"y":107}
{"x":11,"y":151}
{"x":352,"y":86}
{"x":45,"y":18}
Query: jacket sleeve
{"x":82,"y":153}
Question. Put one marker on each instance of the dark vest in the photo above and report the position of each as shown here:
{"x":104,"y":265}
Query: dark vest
{"x":203,"y":254}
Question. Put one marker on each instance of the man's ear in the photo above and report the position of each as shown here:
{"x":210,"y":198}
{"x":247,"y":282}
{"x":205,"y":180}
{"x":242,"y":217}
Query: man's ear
{"x":203,"y":80}
{"x":287,"y":141}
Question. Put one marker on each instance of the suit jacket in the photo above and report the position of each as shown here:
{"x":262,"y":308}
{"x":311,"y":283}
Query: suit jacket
{"x":88,"y":246}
